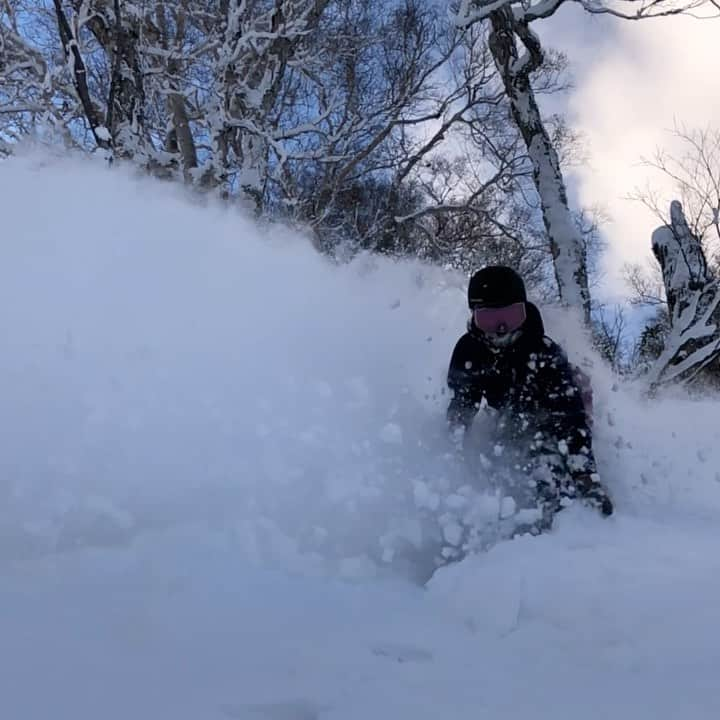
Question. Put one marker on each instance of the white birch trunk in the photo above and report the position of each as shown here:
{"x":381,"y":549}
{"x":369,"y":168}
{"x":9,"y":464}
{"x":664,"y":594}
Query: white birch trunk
{"x":693,"y":296}
{"x":566,"y":242}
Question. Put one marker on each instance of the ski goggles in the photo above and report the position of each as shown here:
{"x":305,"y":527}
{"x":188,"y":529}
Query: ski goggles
{"x":499,"y":320}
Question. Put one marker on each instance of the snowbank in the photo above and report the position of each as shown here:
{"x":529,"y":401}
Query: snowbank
{"x":207,"y":429}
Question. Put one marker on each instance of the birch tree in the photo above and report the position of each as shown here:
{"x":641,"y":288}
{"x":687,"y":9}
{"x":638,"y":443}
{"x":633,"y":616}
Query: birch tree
{"x":693,"y":300}
{"x":518,"y":51}
{"x":183,"y":87}
{"x":381,"y":124}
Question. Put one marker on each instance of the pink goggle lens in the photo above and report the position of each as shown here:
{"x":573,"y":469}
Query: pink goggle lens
{"x":500,"y":320}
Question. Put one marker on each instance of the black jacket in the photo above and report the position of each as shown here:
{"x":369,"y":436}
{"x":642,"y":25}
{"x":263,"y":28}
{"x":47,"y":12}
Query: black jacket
{"x":541,"y":414}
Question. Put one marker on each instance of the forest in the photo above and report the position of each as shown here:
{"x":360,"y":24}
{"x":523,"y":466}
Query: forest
{"x":409,"y":128}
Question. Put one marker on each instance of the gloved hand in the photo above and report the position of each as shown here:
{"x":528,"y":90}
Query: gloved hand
{"x":592,"y":491}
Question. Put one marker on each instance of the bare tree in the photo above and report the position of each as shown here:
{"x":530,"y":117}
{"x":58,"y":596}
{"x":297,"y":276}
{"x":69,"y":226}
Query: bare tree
{"x":610,"y":336}
{"x":645,"y":284}
{"x":651,"y":342}
{"x":694,"y":172}
{"x":420,"y":149}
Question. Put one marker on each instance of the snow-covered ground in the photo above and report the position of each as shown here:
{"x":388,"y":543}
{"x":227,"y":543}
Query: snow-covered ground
{"x":224,"y":467}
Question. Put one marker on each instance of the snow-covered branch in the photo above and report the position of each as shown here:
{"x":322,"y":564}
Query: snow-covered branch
{"x":472,"y":11}
{"x":381,"y":125}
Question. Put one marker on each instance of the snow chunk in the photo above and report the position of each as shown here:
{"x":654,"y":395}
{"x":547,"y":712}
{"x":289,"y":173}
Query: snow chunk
{"x":392,"y":434}
{"x":455,"y":501}
{"x":102,"y":133}
{"x":424,"y":496}
{"x":360,"y":390}
{"x":357,"y":568}
{"x":453,"y":533}
{"x":323,"y":389}
{"x":508,"y":507}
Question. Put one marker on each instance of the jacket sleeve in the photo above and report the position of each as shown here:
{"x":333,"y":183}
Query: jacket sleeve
{"x":463,"y":382}
{"x":565,"y":433}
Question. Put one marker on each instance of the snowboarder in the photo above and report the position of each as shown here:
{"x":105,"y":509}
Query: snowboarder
{"x":506,"y":362}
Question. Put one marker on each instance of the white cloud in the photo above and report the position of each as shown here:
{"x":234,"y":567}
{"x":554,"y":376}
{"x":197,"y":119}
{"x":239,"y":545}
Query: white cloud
{"x":633,"y":80}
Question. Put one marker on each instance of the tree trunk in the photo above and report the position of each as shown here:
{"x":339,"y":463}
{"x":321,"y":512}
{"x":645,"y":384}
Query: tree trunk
{"x":693,"y":296}
{"x":126,"y":102}
{"x":182,"y":138}
{"x":78,"y":71}
{"x":566,"y":242}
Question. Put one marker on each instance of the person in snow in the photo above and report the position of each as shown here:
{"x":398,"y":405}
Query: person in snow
{"x":505,"y":362}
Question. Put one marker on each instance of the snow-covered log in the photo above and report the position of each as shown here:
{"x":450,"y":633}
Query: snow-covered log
{"x":693,"y":297}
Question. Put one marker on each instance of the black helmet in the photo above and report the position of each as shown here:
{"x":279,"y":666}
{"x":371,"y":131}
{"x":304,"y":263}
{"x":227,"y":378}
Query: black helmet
{"x":495,"y":286}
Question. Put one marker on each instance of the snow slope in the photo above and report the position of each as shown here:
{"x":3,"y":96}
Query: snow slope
{"x":223,"y":468}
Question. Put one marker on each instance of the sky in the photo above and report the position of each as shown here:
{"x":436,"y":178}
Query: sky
{"x":632,"y":82}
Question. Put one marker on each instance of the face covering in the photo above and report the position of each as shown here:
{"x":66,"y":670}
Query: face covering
{"x":502,"y":341}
